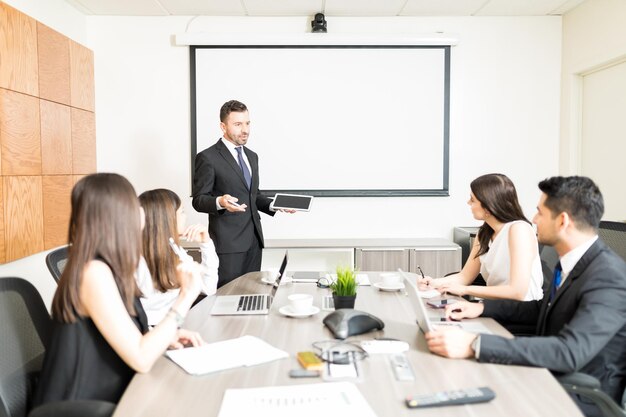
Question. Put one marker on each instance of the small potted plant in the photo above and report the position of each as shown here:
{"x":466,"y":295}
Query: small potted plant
{"x":344,"y":288}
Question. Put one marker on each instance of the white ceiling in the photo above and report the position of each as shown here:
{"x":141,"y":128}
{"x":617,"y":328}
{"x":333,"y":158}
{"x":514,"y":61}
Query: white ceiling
{"x":328,"y":7}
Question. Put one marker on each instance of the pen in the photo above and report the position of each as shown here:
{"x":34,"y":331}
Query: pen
{"x":421,"y":272}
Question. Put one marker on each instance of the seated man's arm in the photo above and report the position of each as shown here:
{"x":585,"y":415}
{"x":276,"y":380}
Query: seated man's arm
{"x":600,"y":314}
{"x":512,"y":311}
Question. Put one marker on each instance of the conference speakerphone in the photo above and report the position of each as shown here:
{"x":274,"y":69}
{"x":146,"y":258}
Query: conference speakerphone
{"x":292,"y":202}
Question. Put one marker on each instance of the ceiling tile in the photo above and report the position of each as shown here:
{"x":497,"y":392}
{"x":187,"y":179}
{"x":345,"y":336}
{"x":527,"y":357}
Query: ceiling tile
{"x":519,"y":7}
{"x":119,"y":7}
{"x":363,"y":8}
{"x":204,"y":7}
{"x":283,"y":7}
{"x":441,"y":7}
{"x":328,"y":7}
{"x":566,"y":7}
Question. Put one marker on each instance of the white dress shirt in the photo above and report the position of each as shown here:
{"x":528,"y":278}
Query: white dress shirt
{"x":233,"y":151}
{"x":571,"y":258}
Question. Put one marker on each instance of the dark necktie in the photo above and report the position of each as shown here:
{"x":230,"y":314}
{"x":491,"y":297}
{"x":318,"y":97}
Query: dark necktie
{"x":244,"y":167}
{"x":556,"y":280}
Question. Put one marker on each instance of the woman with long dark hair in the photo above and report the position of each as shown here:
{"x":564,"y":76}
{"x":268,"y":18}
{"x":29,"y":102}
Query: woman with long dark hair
{"x":100,"y":336}
{"x":156,"y":275}
{"x":505,"y":250}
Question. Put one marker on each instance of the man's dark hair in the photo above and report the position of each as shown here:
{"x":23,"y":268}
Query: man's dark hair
{"x":229,"y":107}
{"x":579,"y":197}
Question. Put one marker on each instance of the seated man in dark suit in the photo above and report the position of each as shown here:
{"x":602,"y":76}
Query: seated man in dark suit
{"x":581,"y":321}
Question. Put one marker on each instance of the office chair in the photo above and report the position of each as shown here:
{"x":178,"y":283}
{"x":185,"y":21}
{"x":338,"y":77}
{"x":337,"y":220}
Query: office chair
{"x":588,"y":387}
{"x":56,"y":260}
{"x":25,"y":331}
{"x":614,"y":235}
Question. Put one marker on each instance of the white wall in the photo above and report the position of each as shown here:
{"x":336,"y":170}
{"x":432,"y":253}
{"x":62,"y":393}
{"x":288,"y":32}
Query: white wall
{"x":57,"y":14}
{"x":593,"y":37}
{"x":504,"y":114}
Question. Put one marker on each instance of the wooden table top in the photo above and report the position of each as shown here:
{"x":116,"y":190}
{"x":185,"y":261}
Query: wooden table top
{"x":168,"y":391}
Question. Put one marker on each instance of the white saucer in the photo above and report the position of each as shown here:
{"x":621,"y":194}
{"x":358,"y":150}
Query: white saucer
{"x":268,"y":281}
{"x":396,"y":287}
{"x":285,"y":280}
{"x":286,"y":311}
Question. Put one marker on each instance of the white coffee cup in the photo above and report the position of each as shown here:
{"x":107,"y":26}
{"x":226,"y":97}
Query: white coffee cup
{"x":271,"y":275}
{"x":390,"y":279}
{"x":300,"y":303}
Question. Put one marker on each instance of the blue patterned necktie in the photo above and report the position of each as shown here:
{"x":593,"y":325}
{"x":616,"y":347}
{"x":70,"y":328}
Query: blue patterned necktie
{"x":556,"y":281}
{"x":244,"y":167}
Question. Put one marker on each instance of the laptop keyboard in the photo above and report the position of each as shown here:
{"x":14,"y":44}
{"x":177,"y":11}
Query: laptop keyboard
{"x":251,"y":302}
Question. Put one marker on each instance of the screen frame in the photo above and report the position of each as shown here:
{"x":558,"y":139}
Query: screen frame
{"x":437,"y":192}
{"x":308,"y":198}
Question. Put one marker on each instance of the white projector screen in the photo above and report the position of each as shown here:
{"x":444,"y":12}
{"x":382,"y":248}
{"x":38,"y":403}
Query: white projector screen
{"x":332,"y":120}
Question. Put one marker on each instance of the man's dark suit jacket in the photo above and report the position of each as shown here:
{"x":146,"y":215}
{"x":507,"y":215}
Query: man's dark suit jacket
{"x":583,"y":329}
{"x":218,"y":173}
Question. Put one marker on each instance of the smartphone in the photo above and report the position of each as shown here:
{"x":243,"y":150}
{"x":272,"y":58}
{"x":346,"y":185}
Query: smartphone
{"x":303,"y":373}
{"x":441,"y":303}
{"x":341,"y":365}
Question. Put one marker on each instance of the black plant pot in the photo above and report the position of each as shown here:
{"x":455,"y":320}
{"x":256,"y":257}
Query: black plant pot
{"x":344,"y":301}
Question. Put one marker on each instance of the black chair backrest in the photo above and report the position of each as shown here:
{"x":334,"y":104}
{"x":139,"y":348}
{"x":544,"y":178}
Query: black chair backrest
{"x":25,"y":329}
{"x":56,"y":261}
{"x":614,"y":235}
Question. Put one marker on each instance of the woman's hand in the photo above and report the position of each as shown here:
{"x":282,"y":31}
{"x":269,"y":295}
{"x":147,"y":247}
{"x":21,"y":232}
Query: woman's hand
{"x":186,"y":338}
{"x":196,"y":233}
{"x":426,"y":283}
{"x":189,"y":278}
{"x":456,"y":289}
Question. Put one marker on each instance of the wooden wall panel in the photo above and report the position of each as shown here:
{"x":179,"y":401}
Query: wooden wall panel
{"x":81,"y":77}
{"x":77,"y":178}
{"x":2,"y":248}
{"x":53,"y":50}
{"x":18,"y":51}
{"x":24,"y":216}
{"x":19,"y":134}
{"x":57,"y":190}
{"x":56,"y":138}
{"x":47,"y":132}
{"x":83,"y":142}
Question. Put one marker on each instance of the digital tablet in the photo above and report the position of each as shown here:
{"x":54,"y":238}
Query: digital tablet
{"x":292,"y":202}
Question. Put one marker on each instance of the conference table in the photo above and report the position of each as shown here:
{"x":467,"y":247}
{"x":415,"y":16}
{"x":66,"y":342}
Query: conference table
{"x":167,"y":390}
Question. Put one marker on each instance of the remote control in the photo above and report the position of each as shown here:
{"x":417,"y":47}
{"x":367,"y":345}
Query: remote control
{"x":401,"y":367}
{"x":457,"y":397}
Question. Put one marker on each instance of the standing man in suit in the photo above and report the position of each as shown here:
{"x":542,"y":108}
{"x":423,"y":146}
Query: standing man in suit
{"x":581,"y":322}
{"x":226,"y":186}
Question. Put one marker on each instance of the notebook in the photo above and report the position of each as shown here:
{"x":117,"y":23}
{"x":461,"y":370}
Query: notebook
{"x":227,"y":354}
{"x":234,"y":305}
{"x":427,"y":323}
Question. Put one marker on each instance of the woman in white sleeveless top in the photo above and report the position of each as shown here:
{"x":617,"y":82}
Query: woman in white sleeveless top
{"x":505,"y":250}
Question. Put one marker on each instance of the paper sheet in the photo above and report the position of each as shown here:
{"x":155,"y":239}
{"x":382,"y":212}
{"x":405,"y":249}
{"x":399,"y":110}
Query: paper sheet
{"x":308,"y":400}
{"x":429,"y":294}
{"x":232,"y":353}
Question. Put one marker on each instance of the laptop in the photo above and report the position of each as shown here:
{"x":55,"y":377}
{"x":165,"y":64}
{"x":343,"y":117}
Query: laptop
{"x":235,"y":305}
{"x":426,"y":322}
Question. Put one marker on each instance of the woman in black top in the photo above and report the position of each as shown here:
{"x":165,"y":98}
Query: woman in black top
{"x":101,"y":335}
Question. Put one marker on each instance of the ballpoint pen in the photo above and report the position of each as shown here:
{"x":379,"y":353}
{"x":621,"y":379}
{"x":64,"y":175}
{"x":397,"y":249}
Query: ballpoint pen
{"x":421,"y":272}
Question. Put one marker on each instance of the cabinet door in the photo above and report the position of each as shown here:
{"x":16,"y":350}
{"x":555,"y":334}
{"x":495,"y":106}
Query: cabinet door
{"x":436,"y":263}
{"x":381,"y":259}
